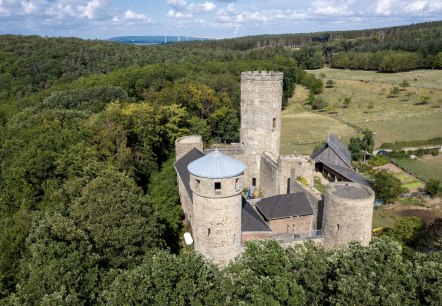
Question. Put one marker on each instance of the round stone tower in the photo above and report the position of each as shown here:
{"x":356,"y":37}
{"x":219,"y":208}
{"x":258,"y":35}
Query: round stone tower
{"x":216,"y":181}
{"x":261,"y":101}
{"x":186,"y":143}
{"x":348,"y":212}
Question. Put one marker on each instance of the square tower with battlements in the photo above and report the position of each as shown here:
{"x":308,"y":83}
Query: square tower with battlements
{"x":261,"y":101}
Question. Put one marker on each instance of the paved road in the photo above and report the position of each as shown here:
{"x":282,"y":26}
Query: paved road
{"x":410,"y":149}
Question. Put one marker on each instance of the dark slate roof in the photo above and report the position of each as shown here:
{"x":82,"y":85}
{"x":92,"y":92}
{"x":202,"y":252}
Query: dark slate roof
{"x":251,"y":220}
{"x":181,"y":167}
{"x":336,"y":145}
{"x":284,"y":206}
{"x":348,"y":173}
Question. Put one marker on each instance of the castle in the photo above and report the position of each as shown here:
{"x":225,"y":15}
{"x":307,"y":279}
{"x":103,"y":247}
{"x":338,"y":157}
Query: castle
{"x":212,"y":183}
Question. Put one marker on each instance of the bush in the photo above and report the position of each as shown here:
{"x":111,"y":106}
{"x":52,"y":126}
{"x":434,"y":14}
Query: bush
{"x":432,"y":187}
{"x":319,"y":103}
{"x":378,"y":160}
{"x":404,"y":84}
{"x":330,"y":84}
{"x":347,"y":101}
{"x":386,"y":186}
{"x":394,"y":92}
{"x":406,"y":230}
{"x":400,"y":154}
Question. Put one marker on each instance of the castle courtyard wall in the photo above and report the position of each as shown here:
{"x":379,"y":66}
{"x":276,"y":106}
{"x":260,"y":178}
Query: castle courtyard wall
{"x":291,"y":225}
{"x":269,"y":174}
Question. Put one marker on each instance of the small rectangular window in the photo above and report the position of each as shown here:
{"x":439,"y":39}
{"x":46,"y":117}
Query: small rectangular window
{"x":254,"y":181}
{"x":217,"y":185}
{"x":274,"y":123}
{"x":208,"y":232}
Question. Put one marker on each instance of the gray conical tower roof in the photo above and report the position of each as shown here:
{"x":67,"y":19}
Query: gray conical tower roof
{"x":216,"y":165}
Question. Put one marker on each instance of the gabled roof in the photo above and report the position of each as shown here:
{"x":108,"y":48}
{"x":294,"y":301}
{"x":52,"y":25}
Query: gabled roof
{"x":181,"y":167}
{"x":337,"y":146}
{"x":284,"y":206}
{"x":348,"y":173}
{"x":216,"y":165}
{"x":251,"y":220}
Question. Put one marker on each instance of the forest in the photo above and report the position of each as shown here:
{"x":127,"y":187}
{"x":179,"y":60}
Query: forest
{"x":89,"y":208}
{"x":418,"y":46}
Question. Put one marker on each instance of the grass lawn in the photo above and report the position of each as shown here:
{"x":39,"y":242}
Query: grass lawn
{"x":420,"y":126}
{"x":426,"y":167}
{"x":383,"y":218}
{"x":391,"y":118}
{"x":301,"y":130}
{"x":425,"y":78}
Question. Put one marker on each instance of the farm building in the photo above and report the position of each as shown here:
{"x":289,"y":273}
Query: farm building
{"x":334,"y":160}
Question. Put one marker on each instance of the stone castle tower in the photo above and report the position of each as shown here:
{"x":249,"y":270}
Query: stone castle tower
{"x":216,"y":181}
{"x":348,"y":211}
{"x":261,"y":98}
{"x":186,"y":143}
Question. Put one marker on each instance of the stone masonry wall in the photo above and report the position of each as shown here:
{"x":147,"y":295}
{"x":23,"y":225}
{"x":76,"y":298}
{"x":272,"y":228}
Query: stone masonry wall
{"x":292,"y":166}
{"x":348,"y":212}
{"x":269,"y":174}
{"x":216,"y":218}
{"x":292,"y":225}
{"x":261,"y":99}
{"x":186,"y":202}
{"x":184,"y":144}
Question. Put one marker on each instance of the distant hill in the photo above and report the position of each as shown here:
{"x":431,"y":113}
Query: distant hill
{"x":154,"y":40}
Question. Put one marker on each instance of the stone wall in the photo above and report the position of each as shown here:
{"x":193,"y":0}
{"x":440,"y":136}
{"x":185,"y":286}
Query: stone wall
{"x":186,"y":143}
{"x":291,"y":225}
{"x":216,"y":220}
{"x":246,"y":236}
{"x":186,"y":202}
{"x":182,"y":146}
{"x":269,"y":174}
{"x":261,"y":99}
{"x":348,"y":212}
{"x":291,"y":167}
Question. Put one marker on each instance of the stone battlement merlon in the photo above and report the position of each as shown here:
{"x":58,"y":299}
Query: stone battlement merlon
{"x":262,"y":75}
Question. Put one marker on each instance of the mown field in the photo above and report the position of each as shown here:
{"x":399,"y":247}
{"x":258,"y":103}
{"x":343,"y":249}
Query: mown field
{"x":301,"y":130}
{"x":403,"y":117}
{"x":425,"y":168}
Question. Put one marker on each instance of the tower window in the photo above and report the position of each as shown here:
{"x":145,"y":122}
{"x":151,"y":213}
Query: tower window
{"x":254,"y":181}
{"x":208,"y":232}
{"x":274,"y":123}
{"x":217,"y":185}
{"x":337,"y":228}
{"x":288,"y":185}
{"x":237,"y":184}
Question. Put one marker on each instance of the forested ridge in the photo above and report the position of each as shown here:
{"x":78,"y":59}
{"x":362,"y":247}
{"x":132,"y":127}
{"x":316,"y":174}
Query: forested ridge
{"x":400,"y":48}
{"x":89,"y":209}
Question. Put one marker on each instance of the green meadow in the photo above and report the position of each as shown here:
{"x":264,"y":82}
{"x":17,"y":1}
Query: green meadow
{"x":414,"y":113}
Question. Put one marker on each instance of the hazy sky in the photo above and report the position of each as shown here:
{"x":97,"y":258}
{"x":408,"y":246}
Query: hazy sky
{"x":212,"y":18}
